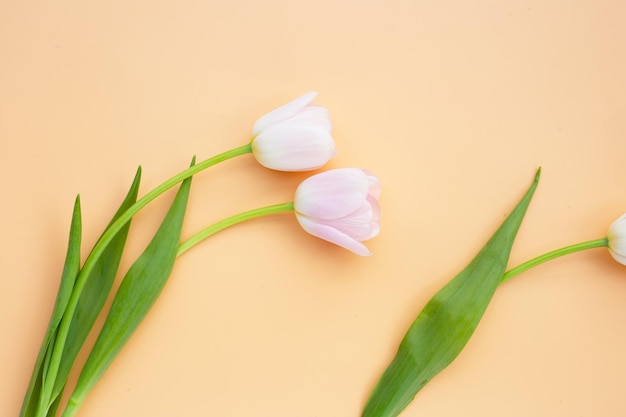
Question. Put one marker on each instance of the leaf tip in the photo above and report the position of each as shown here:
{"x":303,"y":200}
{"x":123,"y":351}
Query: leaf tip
{"x":138,"y":173}
{"x":77,"y":206}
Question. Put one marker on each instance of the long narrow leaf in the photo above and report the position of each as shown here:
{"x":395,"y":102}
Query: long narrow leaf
{"x":95,"y":293}
{"x":447,"y":322}
{"x":52,"y":410}
{"x":137,"y":293}
{"x":68,"y":277}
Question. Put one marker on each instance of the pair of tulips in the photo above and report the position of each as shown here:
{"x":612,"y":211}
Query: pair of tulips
{"x":340,"y":205}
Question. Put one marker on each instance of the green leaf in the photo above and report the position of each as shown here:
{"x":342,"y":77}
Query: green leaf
{"x":68,"y":278}
{"x":52,"y":411}
{"x":95,"y":292}
{"x":137,"y":293}
{"x":446,"y":323}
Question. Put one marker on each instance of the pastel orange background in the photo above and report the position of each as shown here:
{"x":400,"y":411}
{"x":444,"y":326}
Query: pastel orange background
{"x":453,"y":104}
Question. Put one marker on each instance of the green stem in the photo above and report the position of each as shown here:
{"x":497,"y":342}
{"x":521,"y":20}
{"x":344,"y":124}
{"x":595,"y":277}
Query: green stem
{"x":231,"y":221}
{"x":597,"y":243}
{"x":102,"y":244}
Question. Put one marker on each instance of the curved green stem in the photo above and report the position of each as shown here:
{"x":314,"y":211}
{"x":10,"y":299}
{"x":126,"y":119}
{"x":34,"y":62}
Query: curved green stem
{"x":597,"y":243}
{"x":106,"y":239}
{"x":231,"y":221}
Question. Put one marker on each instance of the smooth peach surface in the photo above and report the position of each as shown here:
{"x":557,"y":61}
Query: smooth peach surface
{"x":453,"y":104}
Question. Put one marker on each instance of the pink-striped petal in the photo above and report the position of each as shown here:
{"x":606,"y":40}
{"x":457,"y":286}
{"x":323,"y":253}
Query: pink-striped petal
{"x":360,"y":224}
{"x":332,"y":235}
{"x":332,"y":194}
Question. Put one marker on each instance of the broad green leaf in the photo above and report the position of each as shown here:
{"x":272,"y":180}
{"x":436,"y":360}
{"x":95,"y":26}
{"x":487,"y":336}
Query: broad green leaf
{"x":447,"y":321}
{"x":68,"y":277}
{"x":95,"y":292}
{"x":137,"y":293}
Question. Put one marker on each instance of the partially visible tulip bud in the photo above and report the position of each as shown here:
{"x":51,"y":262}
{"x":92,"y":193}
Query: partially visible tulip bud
{"x":617,"y":239}
{"x":294,"y":137}
{"x":340,"y":206}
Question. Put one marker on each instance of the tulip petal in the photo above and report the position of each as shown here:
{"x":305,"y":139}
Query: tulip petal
{"x":375,"y":185}
{"x":332,"y":235}
{"x":376,"y":210}
{"x":314,"y":115}
{"x":361,"y":225}
{"x":283,"y":112}
{"x":617,"y":239}
{"x":332,"y":194}
{"x":292,"y":147}
{"x":619,"y":258}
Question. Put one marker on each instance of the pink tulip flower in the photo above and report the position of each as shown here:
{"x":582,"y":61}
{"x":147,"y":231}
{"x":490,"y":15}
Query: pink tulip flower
{"x":617,"y":239}
{"x":294,"y":137}
{"x":340,"y":206}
